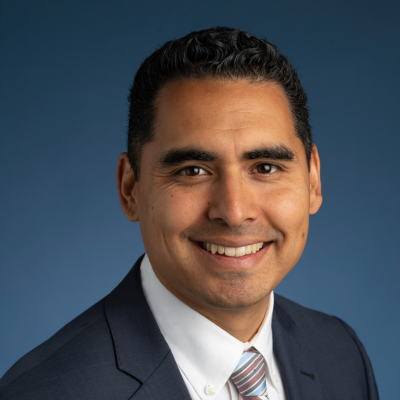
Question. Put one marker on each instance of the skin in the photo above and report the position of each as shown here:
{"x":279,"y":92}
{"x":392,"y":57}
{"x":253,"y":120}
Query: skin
{"x":230,"y":201}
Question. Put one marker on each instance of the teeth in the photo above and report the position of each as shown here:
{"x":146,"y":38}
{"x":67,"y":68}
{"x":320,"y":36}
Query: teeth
{"x":240,"y":251}
{"x":233,"y":251}
{"x":229,"y":251}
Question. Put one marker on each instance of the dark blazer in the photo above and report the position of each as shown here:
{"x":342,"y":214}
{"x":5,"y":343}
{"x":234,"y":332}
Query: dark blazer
{"x":115,"y":350}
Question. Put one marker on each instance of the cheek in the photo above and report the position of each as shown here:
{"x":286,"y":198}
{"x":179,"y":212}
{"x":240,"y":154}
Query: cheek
{"x":288,"y":211}
{"x":170,"y":212}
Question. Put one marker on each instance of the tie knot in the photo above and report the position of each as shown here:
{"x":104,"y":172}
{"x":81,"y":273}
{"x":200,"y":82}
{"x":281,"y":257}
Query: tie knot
{"x":249,"y":375}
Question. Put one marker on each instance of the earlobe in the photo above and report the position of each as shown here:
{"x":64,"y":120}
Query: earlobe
{"x":315,"y":181}
{"x":127,"y":188}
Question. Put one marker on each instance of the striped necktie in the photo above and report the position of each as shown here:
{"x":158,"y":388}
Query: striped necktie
{"x":249,"y":376}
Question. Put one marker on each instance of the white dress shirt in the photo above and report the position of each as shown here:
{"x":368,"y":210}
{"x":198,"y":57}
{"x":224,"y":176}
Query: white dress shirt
{"x":206,"y":354}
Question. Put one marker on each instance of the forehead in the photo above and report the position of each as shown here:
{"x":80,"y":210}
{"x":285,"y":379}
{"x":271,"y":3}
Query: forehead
{"x":217,"y":111}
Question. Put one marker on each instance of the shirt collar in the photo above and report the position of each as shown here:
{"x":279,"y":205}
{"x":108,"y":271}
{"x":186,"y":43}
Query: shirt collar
{"x":262,"y":340}
{"x":205,"y":353}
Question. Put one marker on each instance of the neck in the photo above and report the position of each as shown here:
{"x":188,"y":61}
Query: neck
{"x":242,"y":324}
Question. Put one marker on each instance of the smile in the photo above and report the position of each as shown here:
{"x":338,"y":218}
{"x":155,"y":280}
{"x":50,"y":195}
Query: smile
{"x":233,"y":251}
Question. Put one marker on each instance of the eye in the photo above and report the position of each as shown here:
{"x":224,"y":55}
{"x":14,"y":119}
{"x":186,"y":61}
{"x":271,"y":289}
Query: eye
{"x":266,"y":169}
{"x":192,"y":171}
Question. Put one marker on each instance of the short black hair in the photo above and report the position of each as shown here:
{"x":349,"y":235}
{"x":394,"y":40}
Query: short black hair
{"x":221,"y":53}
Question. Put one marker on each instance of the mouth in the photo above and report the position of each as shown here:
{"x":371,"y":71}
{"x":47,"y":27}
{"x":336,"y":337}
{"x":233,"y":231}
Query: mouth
{"x":232,"y":251}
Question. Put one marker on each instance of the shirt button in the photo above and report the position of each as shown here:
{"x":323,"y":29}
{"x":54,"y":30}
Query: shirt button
{"x":276,"y":379}
{"x":210,"y":390}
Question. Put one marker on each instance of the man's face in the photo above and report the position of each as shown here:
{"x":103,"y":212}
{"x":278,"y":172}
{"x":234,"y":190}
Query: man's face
{"x":225,"y":171}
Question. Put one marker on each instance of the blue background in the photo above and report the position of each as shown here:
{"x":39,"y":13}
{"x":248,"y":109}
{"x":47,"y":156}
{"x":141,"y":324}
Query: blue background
{"x":66,"y":67}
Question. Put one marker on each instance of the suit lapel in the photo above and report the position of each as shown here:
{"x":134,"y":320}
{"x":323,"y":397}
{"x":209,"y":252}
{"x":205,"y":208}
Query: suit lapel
{"x":165,"y":383}
{"x":299,"y":372}
{"x":141,"y":350}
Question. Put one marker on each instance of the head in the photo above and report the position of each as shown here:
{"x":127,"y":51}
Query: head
{"x":221,"y":172}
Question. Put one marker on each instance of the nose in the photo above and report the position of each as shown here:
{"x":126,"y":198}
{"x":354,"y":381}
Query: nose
{"x":233,"y":201}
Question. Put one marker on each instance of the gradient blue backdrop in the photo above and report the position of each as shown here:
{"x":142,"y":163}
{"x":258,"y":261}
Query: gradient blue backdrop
{"x":65,"y":71}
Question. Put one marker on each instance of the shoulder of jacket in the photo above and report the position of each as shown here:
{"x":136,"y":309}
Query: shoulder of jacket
{"x":312,"y":320}
{"x":52,"y":346}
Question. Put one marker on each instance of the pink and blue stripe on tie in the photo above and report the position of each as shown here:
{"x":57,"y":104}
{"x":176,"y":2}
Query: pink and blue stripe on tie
{"x":249,"y":376}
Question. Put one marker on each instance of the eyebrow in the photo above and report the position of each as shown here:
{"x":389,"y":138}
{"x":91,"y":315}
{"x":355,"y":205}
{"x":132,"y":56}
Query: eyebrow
{"x":176,"y":157}
{"x":277,"y":152}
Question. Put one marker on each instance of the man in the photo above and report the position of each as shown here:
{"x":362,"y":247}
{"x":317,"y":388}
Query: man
{"x":222,"y":175}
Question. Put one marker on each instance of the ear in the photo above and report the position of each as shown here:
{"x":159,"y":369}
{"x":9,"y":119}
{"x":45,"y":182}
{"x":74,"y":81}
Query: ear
{"x":315,"y":181}
{"x":127,"y":188}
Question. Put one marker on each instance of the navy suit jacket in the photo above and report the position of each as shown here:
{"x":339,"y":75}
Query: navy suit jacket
{"x":115,"y":350}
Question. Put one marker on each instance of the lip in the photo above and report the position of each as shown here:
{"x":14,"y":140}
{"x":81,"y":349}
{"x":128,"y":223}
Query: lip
{"x":230,"y":243}
{"x":223,"y":262}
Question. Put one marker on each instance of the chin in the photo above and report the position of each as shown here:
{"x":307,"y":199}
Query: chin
{"x":236,"y":298}
{"x":234,"y":304}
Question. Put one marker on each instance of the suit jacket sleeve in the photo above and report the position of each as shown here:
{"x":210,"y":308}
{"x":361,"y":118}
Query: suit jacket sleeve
{"x":372,"y":388}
